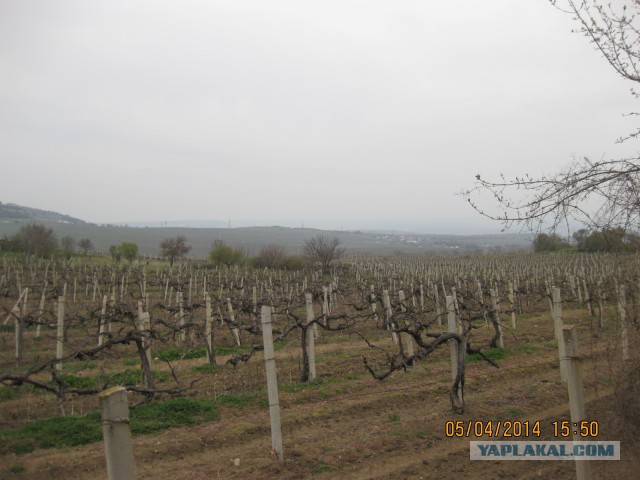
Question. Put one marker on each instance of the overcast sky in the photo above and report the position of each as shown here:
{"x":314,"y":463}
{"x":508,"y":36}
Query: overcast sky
{"x":338,"y":114}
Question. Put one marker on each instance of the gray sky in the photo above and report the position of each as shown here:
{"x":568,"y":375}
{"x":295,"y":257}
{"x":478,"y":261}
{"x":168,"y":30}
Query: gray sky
{"x":338,"y":114}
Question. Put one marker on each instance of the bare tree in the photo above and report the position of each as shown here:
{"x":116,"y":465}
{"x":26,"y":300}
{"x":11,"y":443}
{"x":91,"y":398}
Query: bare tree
{"x":599,"y":194}
{"x":36,"y":240}
{"x":68,"y":245}
{"x":86,"y":245}
{"x":323,"y":249}
{"x":271,"y":256}
{"x":174,"y":248}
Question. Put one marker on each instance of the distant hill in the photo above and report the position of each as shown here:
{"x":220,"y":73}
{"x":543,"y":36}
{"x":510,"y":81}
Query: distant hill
{"x":10,"y":212}
{"x":252,"y":239}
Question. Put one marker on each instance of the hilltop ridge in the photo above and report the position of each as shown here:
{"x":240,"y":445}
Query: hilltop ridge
{"x":10,"y":212}
{"x":252,"y":238}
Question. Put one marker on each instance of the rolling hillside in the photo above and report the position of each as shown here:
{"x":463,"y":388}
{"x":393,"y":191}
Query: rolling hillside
{"x":252,"y":239}
{"x":10,"y":212}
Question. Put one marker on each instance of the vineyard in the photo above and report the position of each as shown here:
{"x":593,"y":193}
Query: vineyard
{"x":372,"y":358}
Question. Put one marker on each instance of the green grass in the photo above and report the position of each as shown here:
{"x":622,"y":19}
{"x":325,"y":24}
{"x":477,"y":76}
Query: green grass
{"x":158,"y":416}
{"x":240,"y":400}
{"x":323,"y":394}
{"x":17,"y":468}
{"x":302,"y":386}
{"x":7,"y":393}
{"x":318,"y":466}
{"x":243,"y":400}
{"x":174,"y":354}
{"x":79,"y":366}
{"x":279,"y":345}
{"x":129,"y":378}
{"x":206,"y":368}
{"x":492,"y":353}
{"x":75,"y":381}
{"x":394,"y":417}
{"x":528,"y":349}
{"x":61,"y":432}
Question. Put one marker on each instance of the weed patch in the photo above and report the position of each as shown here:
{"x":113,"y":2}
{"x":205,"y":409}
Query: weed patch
{"x":61,"y":432}
{"x":528,"y":349}
{"x":235,"y":400}
{"x":75,"y":381}
{"x":157,"y":416}
{"x":173,"y":354}
{"x":206,"y":368}
{"x":7,"y":393}
{"x":492,"y":353}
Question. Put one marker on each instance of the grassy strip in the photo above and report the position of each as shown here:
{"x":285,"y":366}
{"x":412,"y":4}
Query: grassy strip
{"x":242,"y":400}
{"x":127,"y":378}
{"x":315,"y":384}
{"x":60,"y":432}
{"x":492,"y":353}
{"x":173,"y":354}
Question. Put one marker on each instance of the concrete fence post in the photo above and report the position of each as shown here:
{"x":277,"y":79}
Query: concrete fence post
{"x":405,"y":337}
{"x":496,"y":316}
{"x":622,"y":308}
{"x":311,"y":348}
{"x":208,"y":331}
{"x":17,"y":313}
{"x":60,"y":333}
{"x":556,"y":309}
{"x":453,"y":345}
{"x":117,"y":434}
{"x":574,"y":385}
{"x":389,"y":316}
{"x":272,"y":382}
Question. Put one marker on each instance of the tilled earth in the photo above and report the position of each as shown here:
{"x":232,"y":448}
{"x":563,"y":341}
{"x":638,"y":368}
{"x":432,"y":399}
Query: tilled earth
{"x":353,"y":427}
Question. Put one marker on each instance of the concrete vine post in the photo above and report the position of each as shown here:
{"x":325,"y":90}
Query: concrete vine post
{"x":512,"y":302}
{"x":374,"y":305}
{"x":17,"y":313}
{"x":325,"y":305}
{"x":311,"y":349}
{"x":389,"y":316}
{"x":117,"y":434}
{"x":103,"y":319}
{"x":622,"y":308}
{"x":144,"y":327}
{"x":407,"y":339}
{"x":574,"y":385}
{"x":232,"y":319}
{"x":60,"y":333}
{"x":556,"y":309}
{"x":208,"y":331}
{"x":496,"y":316}
{"x":452,"y":325}
{"x":41,"y":308}
{"x":181,"y":321}
{"x":438,"y":308}
{"x":587,"y":297}
{"x":272,"y":382}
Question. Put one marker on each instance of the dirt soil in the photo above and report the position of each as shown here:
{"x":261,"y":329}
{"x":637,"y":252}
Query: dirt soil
{"x":354,"y":427}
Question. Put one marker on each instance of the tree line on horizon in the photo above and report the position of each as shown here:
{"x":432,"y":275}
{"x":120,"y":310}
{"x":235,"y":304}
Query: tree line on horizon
{"x":612,"y":240}
{"x":40,"y":241}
